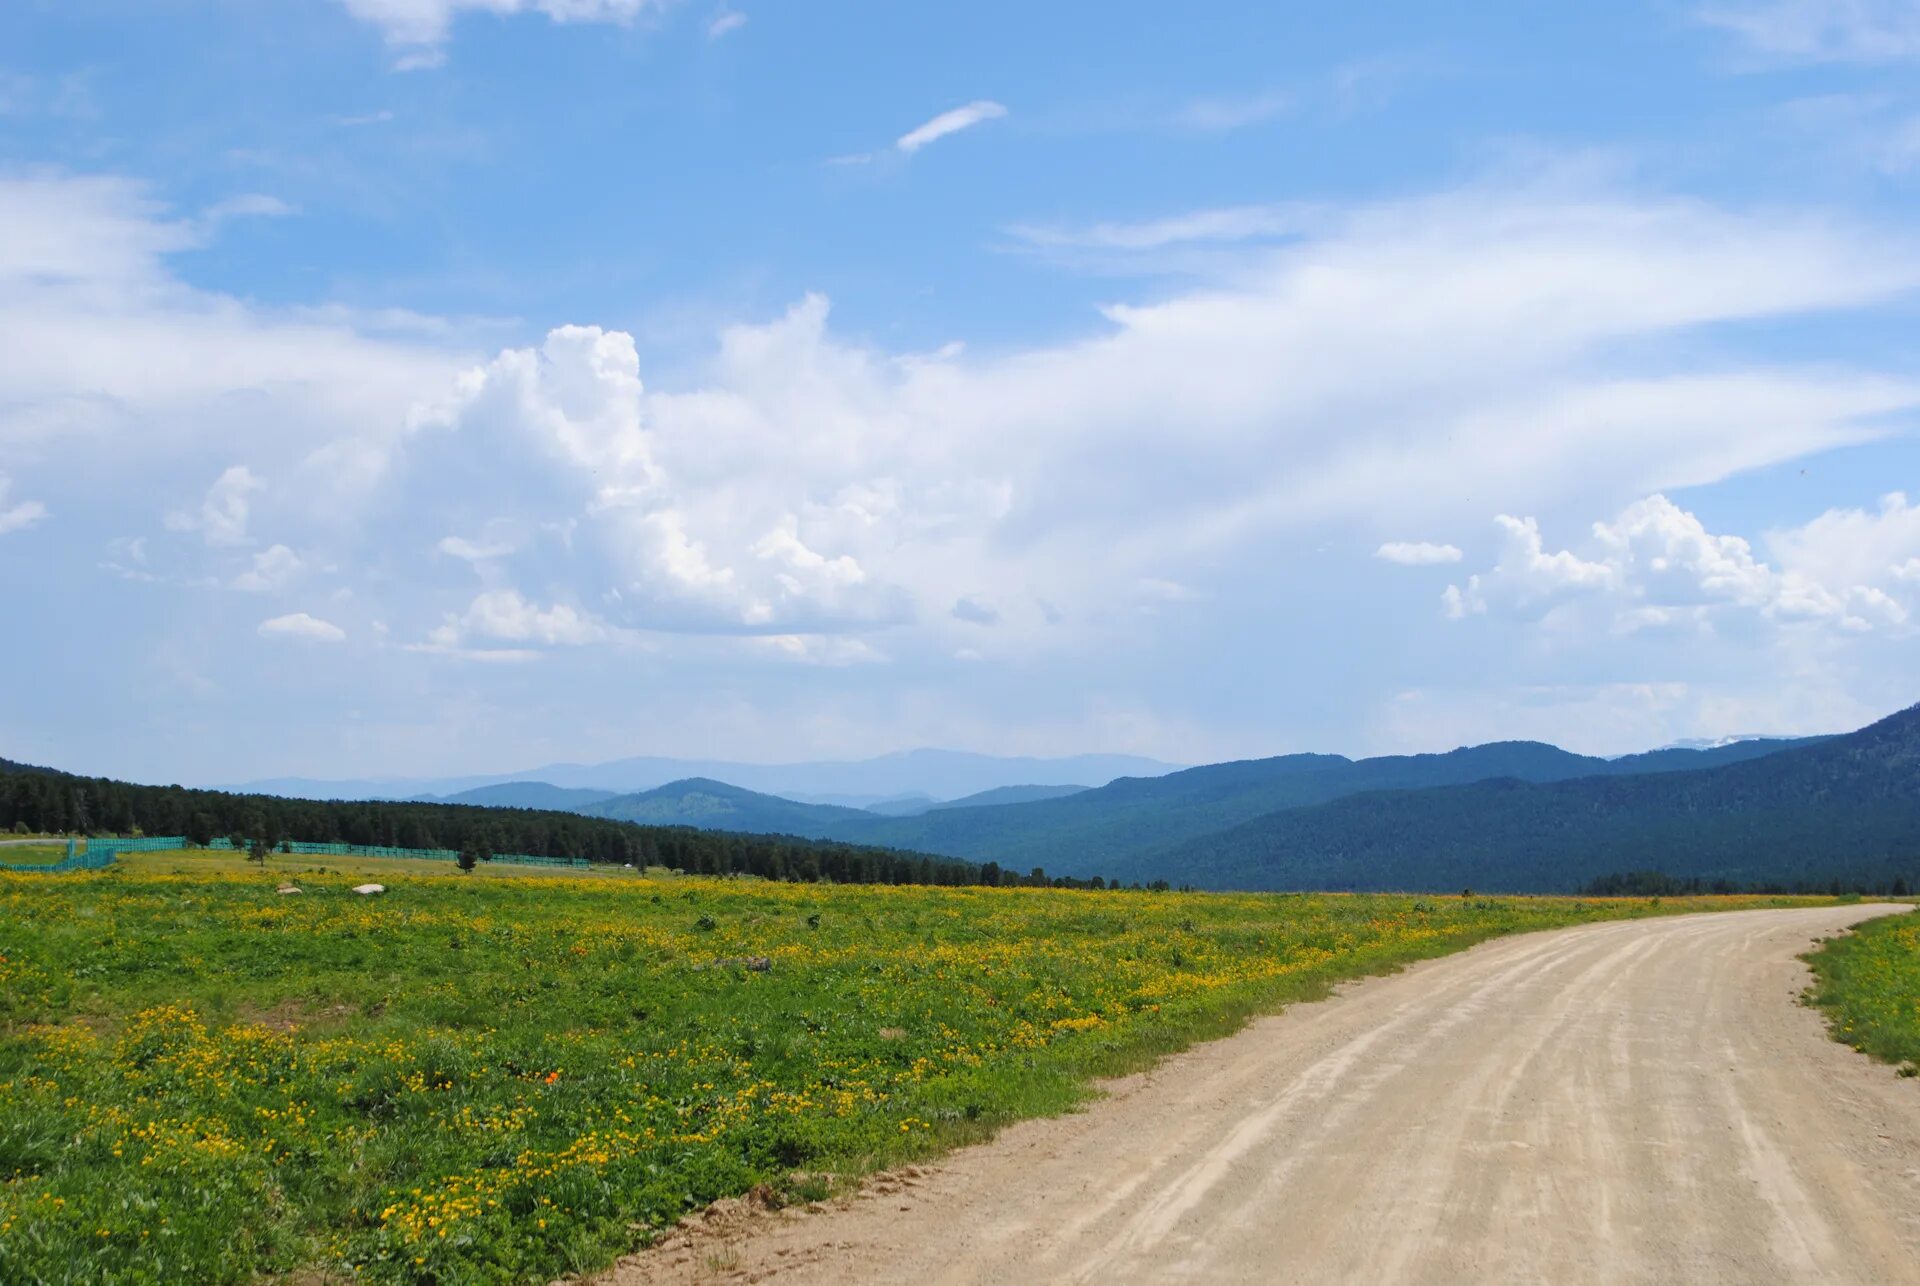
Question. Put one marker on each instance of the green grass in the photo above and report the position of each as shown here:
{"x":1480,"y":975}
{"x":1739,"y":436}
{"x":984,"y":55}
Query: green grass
{"x":485,"y":1078}
{"x":1868,"y":982}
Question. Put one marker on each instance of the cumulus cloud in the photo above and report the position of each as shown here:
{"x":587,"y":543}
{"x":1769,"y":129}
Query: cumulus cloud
{"x":1657,"y":565}
{"x":949,"y":122}
{"x":270,"y":570}
{"x":1525,"y":580}
{"x":693,"y":523}
{"x":417,"y":28}
{"x":20,"y":516}
{"x":223,"y":514}
{"x":1854,"y":546}
{"x":1417,"y":553}
{"x":302,"y":627}
{"x":504,"y":616}
{"x":801,"y":485}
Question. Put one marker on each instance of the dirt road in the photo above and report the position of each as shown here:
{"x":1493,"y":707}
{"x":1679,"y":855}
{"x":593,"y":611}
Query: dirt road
{"x":1638,"y":1101}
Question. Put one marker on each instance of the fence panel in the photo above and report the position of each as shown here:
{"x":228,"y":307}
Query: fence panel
{"x":98,"y":854}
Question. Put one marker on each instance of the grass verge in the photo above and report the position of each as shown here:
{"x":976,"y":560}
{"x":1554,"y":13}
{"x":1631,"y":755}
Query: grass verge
{"x":1868,"y":983}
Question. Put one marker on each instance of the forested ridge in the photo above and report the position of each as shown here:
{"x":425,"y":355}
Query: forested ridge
{"x":1845,"y":809}
{"x":48,"y":801}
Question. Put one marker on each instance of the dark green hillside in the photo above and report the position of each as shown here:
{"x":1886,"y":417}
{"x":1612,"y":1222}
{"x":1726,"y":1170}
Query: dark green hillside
{"x":1845,"y":808}
{"x":714,"y":805}
{"x":1097,"y":830}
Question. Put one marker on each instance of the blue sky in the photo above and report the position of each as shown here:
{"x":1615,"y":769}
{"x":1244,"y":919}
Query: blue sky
{"x":433,"y":386}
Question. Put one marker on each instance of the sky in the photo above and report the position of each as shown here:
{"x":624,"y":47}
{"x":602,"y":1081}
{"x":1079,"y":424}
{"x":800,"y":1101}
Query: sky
{"x":415,"y":387}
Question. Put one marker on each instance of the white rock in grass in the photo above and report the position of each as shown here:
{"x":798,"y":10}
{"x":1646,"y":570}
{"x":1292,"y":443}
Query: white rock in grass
{"x":369,"y":890}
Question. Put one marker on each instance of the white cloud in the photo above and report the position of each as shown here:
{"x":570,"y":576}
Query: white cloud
{"x":20,"y":516}
{"x":806,"y":485}
{"x":1233,"y":113}
{"x":271,"y":570}
{"x":1866,"y":31}
{"x":949,"y":122}
{"x":802,"y":496}
{"x":303,"y":627}
{"x":222,"y":517}
{"x":1525,"y":580}
{"x":1853,"y":546}
{"x":812,"y":649}
{"x":473,"y":551}
{"x":1656,"y":565}
{"x":360,"y":120}
{"x":504,"y":616}
{"x":248,"y":205}
{"x":104,"y":349}
{"x":417,"y":28}
{"x":724,"y":23}
{"x":1231,"y":224}
{"x":1418,"y":553}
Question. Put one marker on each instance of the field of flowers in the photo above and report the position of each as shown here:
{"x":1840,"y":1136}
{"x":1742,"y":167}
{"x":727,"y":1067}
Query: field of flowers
{"x":1868,"y":982}
{"x":479,"y":1079}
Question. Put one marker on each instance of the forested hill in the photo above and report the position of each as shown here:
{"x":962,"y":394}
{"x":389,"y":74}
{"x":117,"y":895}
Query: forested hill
{"x":1096,"y":830}
{"x":1845,"y":808}
{"x":714,"y":805}
{"x":43,"y":800}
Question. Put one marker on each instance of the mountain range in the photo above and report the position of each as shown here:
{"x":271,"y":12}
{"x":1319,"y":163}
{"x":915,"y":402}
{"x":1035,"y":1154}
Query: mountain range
{"x":935,"y":775}
{"x":1502,"y":816}
{"x":1842,"y":809}
{"x":1508,"y":816}
{"x":1127,"y":822}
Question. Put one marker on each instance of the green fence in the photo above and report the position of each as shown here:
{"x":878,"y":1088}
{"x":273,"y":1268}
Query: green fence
{"x":311,"y":849}
{"x":97,"y":854}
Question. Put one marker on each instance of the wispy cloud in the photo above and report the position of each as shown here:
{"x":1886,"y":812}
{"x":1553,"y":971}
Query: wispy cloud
{"x":1866,"y":31}
{"x":1872,"y":131}
{"x":417,"y":30}
{"x":951,"y":122}
{"x":1233,"y":113}
{"x":1230,"y":224}
{"x":361,"y":120}
{"x":726,"y":22}
{"x":247,"y":205}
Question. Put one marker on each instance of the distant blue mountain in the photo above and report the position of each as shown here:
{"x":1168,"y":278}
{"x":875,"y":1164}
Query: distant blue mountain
{"x":936,"y":774}
{"x":529,"y":794}
{"x":716,"y":805}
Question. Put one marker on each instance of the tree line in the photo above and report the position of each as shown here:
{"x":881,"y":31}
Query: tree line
{"x":1658,"y":884}
{"x":47,"y":801}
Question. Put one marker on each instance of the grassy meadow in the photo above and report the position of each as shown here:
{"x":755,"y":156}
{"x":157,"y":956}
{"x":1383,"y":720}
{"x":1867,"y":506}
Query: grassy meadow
{"x":1868,"y":982}
{"x":510,"y":1077}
